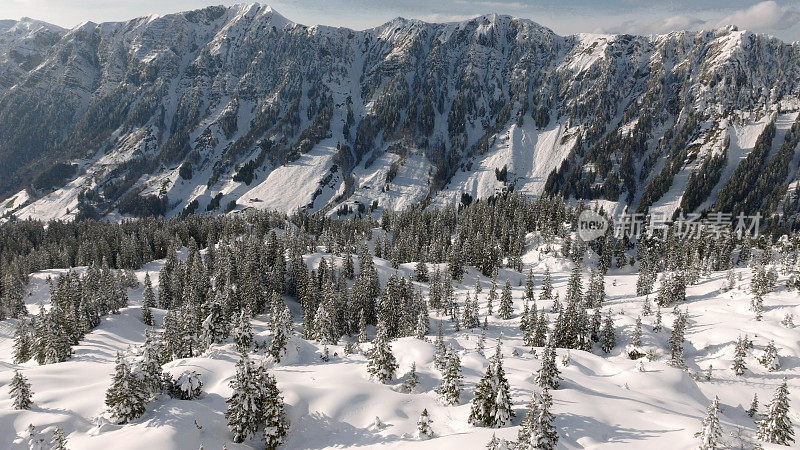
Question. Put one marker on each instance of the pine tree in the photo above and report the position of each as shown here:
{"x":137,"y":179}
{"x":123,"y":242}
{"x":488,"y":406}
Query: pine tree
{"x":547,"y":286}
{"x":424,"y":425}
{"x":548,"y":376}
{"x":21,"y":391}
{"x":776,"y":427}
{"x":246,"y":406}
{"x":148,"y":301}
{"x":657,"y":323}
{"x":676,"y":342}
{"x":491,"y":406}
{"x":381,"y":364}
{"x":23,"y":342}
{"x":647,"y":307}
{"x":753,"y":410}
{"x":527,"y":429}
{"x":607,"y":338}
{"x":59,"y":441}
{"x":126,"y":397}
{"x":212,"y":330}
{"x":412,"y":380}
{"x":492,"y":296}
{"x":243,"y":332}
{"x":506,"y":302}
{"x":636,"y":340}
{"x":421,"y":272}
{"x":710,"y":433}
{"x":439,"y":350}
{"x":481,"y":345}
{"x":450,"y":388}
{"x":362,"y":327}
{"x":740,"y":352}
{"x":422,"y":327}
{"x":770,"y":358}
{"x":546,"y":436}
{"x":280,"y":326}
{"x":276,"y":425}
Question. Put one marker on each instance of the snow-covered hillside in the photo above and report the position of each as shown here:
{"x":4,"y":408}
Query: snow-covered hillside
{"x":604,"y":401}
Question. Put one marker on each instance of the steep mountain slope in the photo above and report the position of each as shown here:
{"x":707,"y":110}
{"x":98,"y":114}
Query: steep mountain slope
{"x":234,"y":107}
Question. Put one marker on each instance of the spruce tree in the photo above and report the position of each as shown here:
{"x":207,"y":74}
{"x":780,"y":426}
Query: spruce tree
{"x":280,"y":326}
{"x":491,"y":406}
{"x":547,"y":286}
{"x":439,"y":350}
{"x":753,"y":409}
{"x":424,"y":425}
{"x":776,"y":427}
{"x":148,"y":301}
{"x":381,"y":363}
{"x":412,"y":379}
{"x":212,"y":330}
{"x":548,"y":376}
{"x":450,"y":389}
{"x":243,"y":332}
{"x":607,"y":338}
{"x":657,"y":323}
{"x":506,"y":302}
{"x":276,"y":425}
{"x":636,"y":339}
{"x":58,"y":441}
{"x":421,"y":272}
{"x":770,"y":358}
{"x":676,"y":340}
{"x":740,"y":352}
{"x":546,"y":436}
{"x":126,"y":397}
{"x":246,"y":406}
{"x":21,"y":391}
{"x":710,"y":433}
{"x":23,"y":342}
{"x":527,"y":429}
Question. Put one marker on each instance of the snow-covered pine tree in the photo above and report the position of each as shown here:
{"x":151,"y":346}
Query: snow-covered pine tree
{"x":245,"y":412}
{"x":503,"y":412}
{"x":481,"y":345}
{"x":545,"y":437}
{"x":776,"y":427}
{"x":676,"y":340}
{"x":753,"y":409}
{"x":424,"y":430}
{"x":58,"y":441}
{"x":148,"y":301}
{"x":491,"y":406}
{"x":607,"y":337}
{"x":421,"y":272}
{"x":362,"y":327}
{"x":740,"y":352}
{"x":527,"y":428}
{"x":547,"y":286}
{"x":243,"y":332}
{"x":21,"y":391}
{"x":23,"y":341}
{"x":647,"y":307}
{"x":636,"y":339}
{"x":412,"y":379}
{"x":280,"y":326}
{"x":276,"y":425}
{"x":213,"y":329}
{"x":506,"y":302}
{"x":439,"y":349}
{"x":657,"y":322}
{"x":492,"y":296}
{"x":529,"y":285}
{"x":126,"y":397}
{"x":450,"y":389}
{"x":770,"y":358}
{"x":548,"y":375}
{"x":710,"y":433}
{"x":381,"y":363}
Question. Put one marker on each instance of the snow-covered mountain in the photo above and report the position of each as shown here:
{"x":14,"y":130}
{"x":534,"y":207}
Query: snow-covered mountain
{"x":235,"y":107}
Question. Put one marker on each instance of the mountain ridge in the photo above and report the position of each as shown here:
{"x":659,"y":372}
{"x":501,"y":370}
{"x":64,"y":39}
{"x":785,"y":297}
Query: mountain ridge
{"x":407,"y":112}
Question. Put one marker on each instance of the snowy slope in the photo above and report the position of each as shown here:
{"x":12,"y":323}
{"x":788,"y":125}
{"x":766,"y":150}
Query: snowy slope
{"x":604,"y":401}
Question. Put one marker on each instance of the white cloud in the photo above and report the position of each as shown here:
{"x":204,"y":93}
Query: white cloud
{"x":661,"y":26}
{"x":763,"y":16}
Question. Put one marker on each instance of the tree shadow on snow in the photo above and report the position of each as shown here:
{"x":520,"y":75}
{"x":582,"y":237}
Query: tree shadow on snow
{"x":574,"y":427}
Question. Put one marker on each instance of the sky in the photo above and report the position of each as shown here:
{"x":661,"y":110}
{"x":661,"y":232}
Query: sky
{"x":780,"y":18}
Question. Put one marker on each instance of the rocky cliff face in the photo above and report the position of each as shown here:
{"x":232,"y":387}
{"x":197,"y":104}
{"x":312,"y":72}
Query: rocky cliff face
{"x":234,"y":107}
